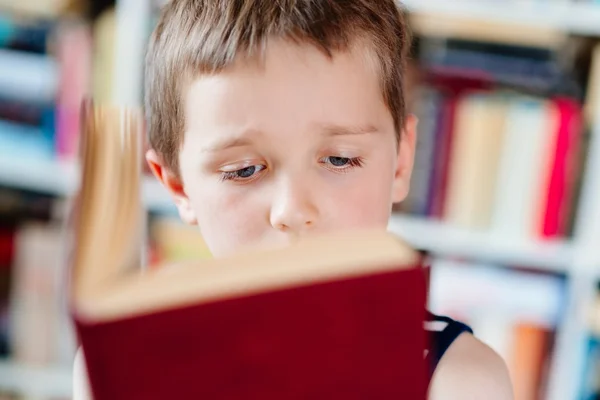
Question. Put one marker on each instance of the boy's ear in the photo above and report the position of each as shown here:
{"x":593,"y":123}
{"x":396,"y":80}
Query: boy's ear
{"x":405,"y":161}
{"x":174,"y":185}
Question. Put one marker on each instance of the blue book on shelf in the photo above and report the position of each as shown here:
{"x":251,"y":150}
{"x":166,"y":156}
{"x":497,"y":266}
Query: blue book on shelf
{"x":590,"y":387}
{"x":32,"y":36}
{"x":17,"y":140}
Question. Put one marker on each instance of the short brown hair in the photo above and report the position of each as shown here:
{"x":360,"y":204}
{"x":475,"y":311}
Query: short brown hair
{"x":193,"y":37}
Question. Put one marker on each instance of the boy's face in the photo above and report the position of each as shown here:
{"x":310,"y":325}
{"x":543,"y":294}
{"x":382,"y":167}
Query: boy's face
{"x":302,"y":144}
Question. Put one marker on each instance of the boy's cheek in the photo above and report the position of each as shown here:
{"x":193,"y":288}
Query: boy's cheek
{"x":228,"y":225}
{"x":230,"y":220}
{"x":363,"y":209}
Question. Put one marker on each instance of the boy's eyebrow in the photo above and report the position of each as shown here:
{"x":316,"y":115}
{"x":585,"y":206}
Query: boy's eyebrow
{"x":244,"y":139}
{"x":340,"y":130}
{"x":227,"y":143}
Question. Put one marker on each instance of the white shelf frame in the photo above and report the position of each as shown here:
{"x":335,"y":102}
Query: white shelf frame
{"x":61,"y":178}
{"x":442,"y":239}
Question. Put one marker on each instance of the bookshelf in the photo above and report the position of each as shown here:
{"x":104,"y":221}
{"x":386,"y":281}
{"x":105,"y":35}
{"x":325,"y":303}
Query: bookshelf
{"x":571,"y":352}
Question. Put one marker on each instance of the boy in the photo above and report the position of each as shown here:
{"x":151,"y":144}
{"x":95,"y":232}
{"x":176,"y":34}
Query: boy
{"x":273,"y":119}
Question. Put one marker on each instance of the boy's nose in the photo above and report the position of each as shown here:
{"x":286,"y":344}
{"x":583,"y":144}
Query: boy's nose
{"x":293,"y":211}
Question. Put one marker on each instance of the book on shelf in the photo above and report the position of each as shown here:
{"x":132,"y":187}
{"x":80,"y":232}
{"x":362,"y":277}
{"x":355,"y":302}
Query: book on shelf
{"x":6,"y":256}
{"x":74,"y":54}
{"x":327,"y":316}
{"x":499,"y":162}
{"x":25,"y":34}
{"x":27,"y":76}
{"x":32,"y":268}
{"x":590,"y":382}
{"x":509,"y":137}
{"x":479,"y":124}
{"x":104,"y":44}
{"x":36,"y":303}
{"x":45,"y":68}
{"x":589,"y":388}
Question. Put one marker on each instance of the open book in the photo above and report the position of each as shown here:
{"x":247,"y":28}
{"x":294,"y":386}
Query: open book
{"x":328,"y":317}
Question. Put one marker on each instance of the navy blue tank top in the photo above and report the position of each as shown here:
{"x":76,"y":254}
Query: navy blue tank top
{"x":442,"y":332}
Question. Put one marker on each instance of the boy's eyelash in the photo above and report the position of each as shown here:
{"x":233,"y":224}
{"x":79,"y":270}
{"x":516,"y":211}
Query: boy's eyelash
{"x":356,"y":162}
{"x":233,"y":175}
{"x":353,"y":162}
{"x":227,"y":176}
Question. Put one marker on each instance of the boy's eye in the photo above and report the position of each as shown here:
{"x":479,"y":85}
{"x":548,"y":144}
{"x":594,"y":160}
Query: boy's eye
{"x":242,"y":173}
{"x":338,"y":161}
{"x":342,"y":164}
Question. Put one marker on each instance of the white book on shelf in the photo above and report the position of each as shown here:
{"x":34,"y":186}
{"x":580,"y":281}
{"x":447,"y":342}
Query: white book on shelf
{"x":132,"y":24}
{"x":40,"y":329}
{"x":523,"y":162}
{"x":33,"y":308}
{"x":475,"y":152}
{"x":28,"y":77}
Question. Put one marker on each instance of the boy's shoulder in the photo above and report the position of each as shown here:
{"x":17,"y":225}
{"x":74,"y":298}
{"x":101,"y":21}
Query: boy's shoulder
{"x":470,"y":369}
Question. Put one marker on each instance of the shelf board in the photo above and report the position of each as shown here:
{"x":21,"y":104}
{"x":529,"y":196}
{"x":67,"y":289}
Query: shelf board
{"x":61,"y":179}
{"x":569,"y":17}
{"x":441,"y":239}
{"x":38,"y":382}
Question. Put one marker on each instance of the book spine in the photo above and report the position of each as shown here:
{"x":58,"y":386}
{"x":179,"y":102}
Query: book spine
{"x":18,"y":139}
{"x":419,"y":195}
{"x":6,"y":259}
{"x":27,"y":37}
{"x":27,"y":113}
{"x":28,"y":77}
{"x":439,"y":177}
{"x":74,"y":45}
{"x":561,"y":175}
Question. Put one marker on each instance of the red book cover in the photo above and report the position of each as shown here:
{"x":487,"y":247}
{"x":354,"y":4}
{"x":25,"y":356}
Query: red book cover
{"x":355,"y":338}
{"x":561,"y":178}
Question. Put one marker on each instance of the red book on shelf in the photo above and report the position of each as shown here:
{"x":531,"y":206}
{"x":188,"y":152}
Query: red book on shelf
{"x":444,"y":136}
{"x":327,"y":317}
{"x":74,"y":52}
{"x":560,"y":181}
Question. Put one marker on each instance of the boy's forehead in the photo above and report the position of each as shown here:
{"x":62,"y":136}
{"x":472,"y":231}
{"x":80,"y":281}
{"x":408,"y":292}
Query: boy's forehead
{"x":287,"y":66}
{"x":285,"y":54}
{"x":297,"y":88}
{"x":294,"y":49}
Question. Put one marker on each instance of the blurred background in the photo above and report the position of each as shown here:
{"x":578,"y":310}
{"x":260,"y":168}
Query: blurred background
{"x":505,"y":196}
